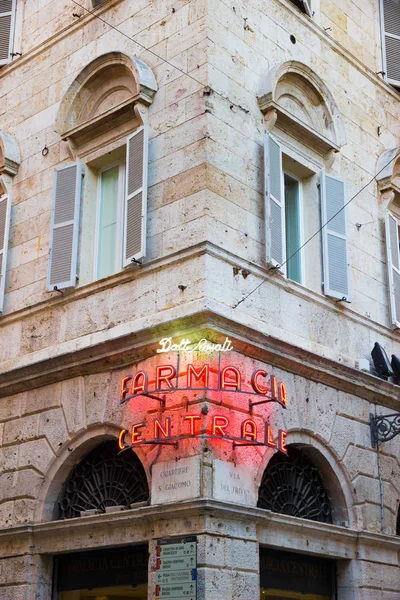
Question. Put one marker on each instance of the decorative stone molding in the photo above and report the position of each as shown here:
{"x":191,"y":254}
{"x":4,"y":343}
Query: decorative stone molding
{"x":10,"y":157}
{"x":388,"y":174}
{"x":294,"y":99}
{"x":101,"y":105}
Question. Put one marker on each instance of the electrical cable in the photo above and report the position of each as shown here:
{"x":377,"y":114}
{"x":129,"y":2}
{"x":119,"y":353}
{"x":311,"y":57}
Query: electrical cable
{"x":314,"y":234}
{"x":225,"y":98}
{"x":139,"y":44}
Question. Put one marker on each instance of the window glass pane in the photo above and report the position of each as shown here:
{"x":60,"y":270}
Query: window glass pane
{"x":293,"y":237}
{"x":107,"y":248}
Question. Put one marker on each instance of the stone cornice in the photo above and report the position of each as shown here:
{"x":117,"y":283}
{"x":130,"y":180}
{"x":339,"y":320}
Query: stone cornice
{"x":201,"y":516}
{"x":130,"y":342}
{"x":134,"y":346}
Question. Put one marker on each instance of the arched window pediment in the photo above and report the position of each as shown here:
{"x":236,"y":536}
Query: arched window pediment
{"x":294,"y":99}
{"x":10,"y":157}
{"x":103,"y":97}
{"x":388,"y":173}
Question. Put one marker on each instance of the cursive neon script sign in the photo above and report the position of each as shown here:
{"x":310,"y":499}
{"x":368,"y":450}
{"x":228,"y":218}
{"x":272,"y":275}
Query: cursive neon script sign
{"x":166,"y":345}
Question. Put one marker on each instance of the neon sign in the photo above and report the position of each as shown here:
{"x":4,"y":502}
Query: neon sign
{"x":165,"y":378}
{"x":239,"y":425}
{"x":203,"y":345}
{"x":218,"y":427}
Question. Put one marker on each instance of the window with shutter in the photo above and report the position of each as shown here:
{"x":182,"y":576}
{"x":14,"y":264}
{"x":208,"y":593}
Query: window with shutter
{"x":62,"y":271}
{"x":304,"y":6}
{"x":274,"y":204}
{"x":7,"y":24}
{"x":393,"y":262}
{"x":334,"y":237}
{"x":136,"y":197}
{"x":5,"y":208}
{"x":390,"y":27}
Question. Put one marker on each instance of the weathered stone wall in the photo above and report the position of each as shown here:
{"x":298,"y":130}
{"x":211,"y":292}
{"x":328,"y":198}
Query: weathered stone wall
{"x":206,"y":232}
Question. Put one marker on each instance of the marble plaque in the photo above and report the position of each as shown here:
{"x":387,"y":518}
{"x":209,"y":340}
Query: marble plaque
{"x":233,"y":483}
{"x":175,"y":480}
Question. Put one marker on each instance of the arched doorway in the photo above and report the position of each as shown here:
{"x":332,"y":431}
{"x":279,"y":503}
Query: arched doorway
{"x":104,"y":481}
{"x":292,"y":485}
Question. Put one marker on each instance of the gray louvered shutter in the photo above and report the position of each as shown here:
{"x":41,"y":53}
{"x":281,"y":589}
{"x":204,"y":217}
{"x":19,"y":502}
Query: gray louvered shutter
{"x":7,"y":24}
{"x":393,"y":262}
{"x":334,"y":237}
{"x":275,"y":243}
{"x":5,"y":208}
{"x":390,"y":28}
{"x":62,"y":270}
{"x":136,"y":196}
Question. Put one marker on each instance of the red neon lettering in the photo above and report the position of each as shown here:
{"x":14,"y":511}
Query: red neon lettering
{"x":160,"y":429}
{"x":219,"y":425}
{"x":235,"y":383}
{"x":282,"y":440}
{"x":203,"y":373}
{"x":192,"y":419}
{"x":166,"y":377}
{"x":269,"y":440}
{"x":136,"y":437}
{"x":137,"y":386}
{"x":121,"y":437}
{"x":282,"y":394}
{"x":255,"y":385}
{"x":274,"y":388}
{"x":124,"y":391}
{"x":249,"y":430}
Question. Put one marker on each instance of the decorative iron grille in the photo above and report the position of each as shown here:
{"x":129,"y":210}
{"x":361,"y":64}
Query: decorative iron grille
{"x":398,"y":522}
{"x":291,"y":485}
{"x":103,"y":478}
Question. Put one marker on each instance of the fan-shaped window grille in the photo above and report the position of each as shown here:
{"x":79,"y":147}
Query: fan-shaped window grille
{"x":291,"y":485}
{"x":103,"y":478}
{"x":398,"y":522}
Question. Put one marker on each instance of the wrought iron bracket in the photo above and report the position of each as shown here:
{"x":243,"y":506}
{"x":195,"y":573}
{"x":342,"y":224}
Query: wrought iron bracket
{"x":384,"y":427}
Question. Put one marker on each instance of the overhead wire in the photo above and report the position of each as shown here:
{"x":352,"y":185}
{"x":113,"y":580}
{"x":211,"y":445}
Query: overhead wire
{"x":132,"y":39}
{"x":225,"y":98}
{"x":314,"y":235}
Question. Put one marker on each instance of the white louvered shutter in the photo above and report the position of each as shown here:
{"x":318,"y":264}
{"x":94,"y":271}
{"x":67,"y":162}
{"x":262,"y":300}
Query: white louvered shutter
{"x":275,"y":242}
{"x":334,"y":237}
{"x":393,"y":261}
{"x":7,"y":23}
{"x":307,"y":7}
{"x":135,"y":213}
{"x":62,"y":270}
{"x":390,"y":27}
{"x":5,"y":209}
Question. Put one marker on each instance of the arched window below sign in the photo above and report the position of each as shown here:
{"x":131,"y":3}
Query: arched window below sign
{"x":398,"y":522}
{"x":292,"y":485}
{"x":102,"y":479}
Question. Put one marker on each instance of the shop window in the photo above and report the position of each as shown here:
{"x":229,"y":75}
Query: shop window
{"x":99,"y":209}
{"x":304,"y":6}
{"x":102,"y":479}
{"x":292,"y":485}
{"x":390,"y":28}
{"x":113,"y":574}
{"x":296,"y":576}
{"x":7,"y":26}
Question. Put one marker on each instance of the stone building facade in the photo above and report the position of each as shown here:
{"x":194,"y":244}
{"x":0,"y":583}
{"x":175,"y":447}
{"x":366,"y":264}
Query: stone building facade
{"x":211,"y":173}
